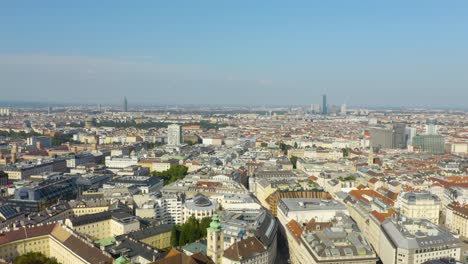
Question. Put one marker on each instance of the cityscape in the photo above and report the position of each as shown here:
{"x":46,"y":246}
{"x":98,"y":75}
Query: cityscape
{"x":218,"y":133}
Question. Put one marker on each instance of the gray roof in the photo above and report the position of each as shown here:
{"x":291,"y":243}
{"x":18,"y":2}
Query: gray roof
{"x":428,"y":234}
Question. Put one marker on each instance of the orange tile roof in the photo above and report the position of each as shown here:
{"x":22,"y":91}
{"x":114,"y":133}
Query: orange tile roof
{"x":359,"y":195}
{"x":295,"y":229}
{"x":382,"y":216}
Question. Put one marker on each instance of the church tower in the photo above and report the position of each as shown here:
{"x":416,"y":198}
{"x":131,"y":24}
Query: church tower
{"x":215,"y":239}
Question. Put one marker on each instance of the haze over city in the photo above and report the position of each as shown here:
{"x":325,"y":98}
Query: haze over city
{"x":363,"y":53}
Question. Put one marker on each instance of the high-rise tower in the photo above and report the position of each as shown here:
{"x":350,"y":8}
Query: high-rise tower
{"x":174,"y":135}
{"x":125,"y":105}
{"x":324,"y":104}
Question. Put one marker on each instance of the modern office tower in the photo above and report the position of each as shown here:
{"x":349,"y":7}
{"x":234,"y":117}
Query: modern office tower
{"x":174,"y":135}
{"x":381,"y":138}
{"x":324,"y":104}
{"x":399,"y":139}
{"x":433,"y":144}
{"x":410,"y":132}
{"x":394,"y":138}
{"x":343,"y":109}
{"x":49,"y":110}
{"x":125,"y":105}
{"x":431,"y":127}
{"x":99,"y":108}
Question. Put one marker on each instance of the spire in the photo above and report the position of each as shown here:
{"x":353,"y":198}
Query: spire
{"x":370,"y":160}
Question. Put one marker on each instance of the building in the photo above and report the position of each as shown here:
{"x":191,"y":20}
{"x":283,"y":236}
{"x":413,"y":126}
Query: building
{"x":431,"y":127}
{"x":394,"y":138}
{"x":248,"y":251}
{"x":125,"y":105}
{"x":399,"y":138}
{"x":420,"y":206}
{"x":433,"y":144}
{"x":458,"y":219}
{"x":4,"y":112}
{"x":174,"y":135}
{"x":53,"y":240}
{"x":121,"y":162}
{"x":339,"y":241}
{"x":146,"y":184}
{"x":22,"y":171}
{"x":156,"y":236}
{"x":406,"y":241}
{"x":343,"y":109}
{"x":39,"y":142}
{"x":410,"y":133}
{"x":302,"y":210}
{"x":80,"y":159}
{"x":215,"y":239}
{"x":200,"y":207}
{"x":105,"y":224}
{"x":324,"y":104}
{"x":381,"y":137}
{"x":37,"y":196}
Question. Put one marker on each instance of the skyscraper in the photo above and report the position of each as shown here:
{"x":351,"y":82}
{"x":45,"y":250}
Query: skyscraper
{"x":431,"y":127}
{"x":174,"y":135}
{"x":399,"y":138}
{"x":343,"y":109}
{"x":324,"y":104}
{"x":125,"y":105}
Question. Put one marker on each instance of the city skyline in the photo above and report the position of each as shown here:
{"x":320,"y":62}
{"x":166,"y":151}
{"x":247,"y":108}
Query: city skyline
{"x":367,"y":53}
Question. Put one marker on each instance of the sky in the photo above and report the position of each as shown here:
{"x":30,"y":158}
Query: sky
{"x":360,"y":52}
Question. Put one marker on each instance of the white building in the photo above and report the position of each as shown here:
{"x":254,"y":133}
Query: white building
{"x":302,"y":210}
{"x":420,"y":205}
{"x":406,"y":241}
{"x":199,"y":207}
{"x":120,"y":162}
{"x":174,"y":135}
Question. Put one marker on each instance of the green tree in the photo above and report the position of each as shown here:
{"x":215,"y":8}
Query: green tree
{"x":34,"y":258}
{"x":173,"y":174}
{"x":295,"y":144}
{"x":175,"y":236}
{"x":293,"y":160}
{"x":189,"y":232}
{"x":263,"y":145}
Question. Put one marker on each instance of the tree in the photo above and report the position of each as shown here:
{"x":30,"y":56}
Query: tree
{"x":173,"y":174}
{"x":34,"y":258}
{"x":293,"y":160}
{"x":263,"y":145}
{"x":295,"y":144}
{"x":189,"y":232}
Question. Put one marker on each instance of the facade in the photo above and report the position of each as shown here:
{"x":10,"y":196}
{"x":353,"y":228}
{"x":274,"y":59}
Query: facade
{"x":459,"y":219}
{"x":40,"y":141}
{"x":120,"y":162}
{"x":249,"y":250}
{"x":105,"y":224}
{"x":394,"y":138}
{"x":407,"y":241}
{"x":382,"y":138}
{"x":420,"y":205}
{"x":433,"y":144}
{"x":431,"y":127}
{"x":38,"y":196}
{"x":200,"y":207}
{"x":174,"y":135}
{"x":156,"y":236}
{"x":53,"y":241}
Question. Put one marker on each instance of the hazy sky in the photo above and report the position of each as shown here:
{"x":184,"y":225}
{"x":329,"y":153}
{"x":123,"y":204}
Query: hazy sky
{"x":412,"y":53}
